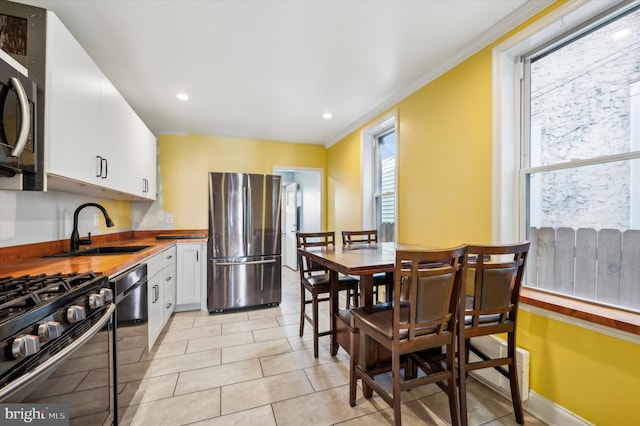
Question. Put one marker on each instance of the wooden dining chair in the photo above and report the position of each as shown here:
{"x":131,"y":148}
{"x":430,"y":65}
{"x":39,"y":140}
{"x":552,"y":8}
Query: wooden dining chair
{"x":425,"y":320}
{"x":380,"y":280}
{"x":494,"y":276}
{"x":315,"y":280}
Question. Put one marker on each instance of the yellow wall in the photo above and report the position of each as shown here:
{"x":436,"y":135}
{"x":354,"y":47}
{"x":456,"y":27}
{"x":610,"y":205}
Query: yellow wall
{"x":186,"y":160}
{"x":343,"y":187}
{"x":590,"y":374}
{"x":444,"y":198}
{"x":120,"y":212}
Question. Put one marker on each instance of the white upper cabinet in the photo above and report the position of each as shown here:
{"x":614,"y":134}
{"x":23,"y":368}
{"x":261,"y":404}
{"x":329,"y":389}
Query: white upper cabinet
{"x":94,"y":141}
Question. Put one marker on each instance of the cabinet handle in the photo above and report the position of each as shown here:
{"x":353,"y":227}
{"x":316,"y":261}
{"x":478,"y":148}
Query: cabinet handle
{"x":106,"y":168}
{"x":169,"y":256}
{"x":169,"y":278}
{"x":156,"y":291}
{"x":197,"y":256}
{"x":99,"y":166}
{"x":168,"y":305}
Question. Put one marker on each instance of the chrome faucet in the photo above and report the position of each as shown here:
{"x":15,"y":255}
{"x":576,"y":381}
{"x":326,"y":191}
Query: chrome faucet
{"x":75,"y":236}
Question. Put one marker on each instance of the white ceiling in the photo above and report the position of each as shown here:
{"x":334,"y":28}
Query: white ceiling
{"x":269,"y":69}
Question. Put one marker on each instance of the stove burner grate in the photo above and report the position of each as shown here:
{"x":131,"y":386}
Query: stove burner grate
{"x":19,"y":294}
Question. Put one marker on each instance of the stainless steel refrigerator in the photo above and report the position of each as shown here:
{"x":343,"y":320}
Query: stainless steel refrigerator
{"x":244,"y":263}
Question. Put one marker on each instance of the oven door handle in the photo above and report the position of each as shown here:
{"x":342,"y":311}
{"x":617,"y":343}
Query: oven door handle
{"x":25,"y":120}
{"x":31,"y":376}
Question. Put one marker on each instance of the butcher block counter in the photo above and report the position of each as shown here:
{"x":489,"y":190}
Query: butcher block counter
{"x":31,"y":258}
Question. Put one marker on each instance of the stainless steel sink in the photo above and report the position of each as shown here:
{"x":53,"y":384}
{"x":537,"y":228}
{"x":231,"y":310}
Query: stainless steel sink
{"x":100,"y":251}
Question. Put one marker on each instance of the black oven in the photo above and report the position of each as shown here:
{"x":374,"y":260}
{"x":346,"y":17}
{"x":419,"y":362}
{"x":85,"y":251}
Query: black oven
{"x":56,"y":346}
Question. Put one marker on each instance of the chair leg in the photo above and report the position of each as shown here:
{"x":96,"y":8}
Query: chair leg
{"x":513,"y":379}
{"x":452,"y":388}
{"x":462,"y":378}
{"x":315,"y":324}
{"x":302,"y":305}
{"x":397,"y":402}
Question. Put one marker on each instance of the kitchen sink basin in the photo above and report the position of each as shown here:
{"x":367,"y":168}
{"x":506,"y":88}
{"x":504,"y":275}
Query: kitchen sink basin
{"x":100,"y":251}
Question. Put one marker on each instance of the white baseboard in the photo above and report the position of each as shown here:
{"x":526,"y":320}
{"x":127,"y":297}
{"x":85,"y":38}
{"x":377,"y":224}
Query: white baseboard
{"x":552,"y":413}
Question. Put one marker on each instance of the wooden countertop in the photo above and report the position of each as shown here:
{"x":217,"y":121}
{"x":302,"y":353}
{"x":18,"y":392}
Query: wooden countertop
{"x":102,"y":264}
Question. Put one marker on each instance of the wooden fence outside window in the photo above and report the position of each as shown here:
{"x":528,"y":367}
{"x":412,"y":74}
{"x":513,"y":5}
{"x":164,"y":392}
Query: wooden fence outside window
{"x":597,"y":265}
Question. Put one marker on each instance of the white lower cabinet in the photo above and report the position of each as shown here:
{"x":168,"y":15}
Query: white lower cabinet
{"x":161,"y":273}
{"x":191,"y":274}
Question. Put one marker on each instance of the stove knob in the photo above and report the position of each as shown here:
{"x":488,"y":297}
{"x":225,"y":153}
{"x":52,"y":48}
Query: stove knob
{"x":49,"y":330}
{"x":107,"y":295}
{"x":76,"y":313}
{"x":95,"y":301}
{"x":26,"y":345}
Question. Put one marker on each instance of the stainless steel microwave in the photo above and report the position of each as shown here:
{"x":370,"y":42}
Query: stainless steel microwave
{"x":18,"y":107}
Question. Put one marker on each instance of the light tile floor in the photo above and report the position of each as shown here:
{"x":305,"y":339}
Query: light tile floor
{"x":252,"y":368}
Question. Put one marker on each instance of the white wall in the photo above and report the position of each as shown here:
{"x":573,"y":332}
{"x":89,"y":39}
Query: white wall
{"x":33,"y":217}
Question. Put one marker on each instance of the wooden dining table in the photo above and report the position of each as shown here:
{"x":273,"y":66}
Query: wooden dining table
{"x":362,"y":260}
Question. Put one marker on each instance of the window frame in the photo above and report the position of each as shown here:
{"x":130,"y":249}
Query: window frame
{"x":508,"y":182}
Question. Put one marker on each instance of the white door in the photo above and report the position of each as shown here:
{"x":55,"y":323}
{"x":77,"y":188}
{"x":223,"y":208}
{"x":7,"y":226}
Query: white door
{"x":290,"y":226}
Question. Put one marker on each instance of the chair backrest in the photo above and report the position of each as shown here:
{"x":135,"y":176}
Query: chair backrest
{"x":432,"y":284}
{"x":312,"y":239}
{"x":359,"y":237}
{"x":494,"y":275}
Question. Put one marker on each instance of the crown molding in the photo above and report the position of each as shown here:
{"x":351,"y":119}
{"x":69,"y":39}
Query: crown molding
{"x":507,"y":24}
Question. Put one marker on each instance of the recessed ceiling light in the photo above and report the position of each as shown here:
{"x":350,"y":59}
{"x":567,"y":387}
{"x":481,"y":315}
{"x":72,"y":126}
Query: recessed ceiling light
{"x":327,"y":115}
{"x":621,"y":34}
{"x":182,"y":96}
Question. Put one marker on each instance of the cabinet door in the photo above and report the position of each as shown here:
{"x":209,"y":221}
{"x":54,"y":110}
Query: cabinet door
{"x":114,"y":136}
{"x":154,"y":300}
{"x":92,"y":135}
{"x":143,"y":161}
{"x":73,"y":106}
{"x":189,"y":275}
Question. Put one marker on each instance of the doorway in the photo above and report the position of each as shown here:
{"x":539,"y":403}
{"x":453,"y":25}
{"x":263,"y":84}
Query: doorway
{"x":290,"y":225}
{"x":302,"y":207}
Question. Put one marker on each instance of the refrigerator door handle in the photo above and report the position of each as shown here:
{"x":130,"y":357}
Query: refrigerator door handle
{"x":252,"y":262}
{"x":249,"y":217}
{"x":245,"y":207}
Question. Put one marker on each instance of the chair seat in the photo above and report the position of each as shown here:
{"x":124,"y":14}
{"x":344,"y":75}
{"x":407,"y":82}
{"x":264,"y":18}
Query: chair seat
{"x":380,"y":317}
{"x":323,"y":282}
{"x":380,"y":278}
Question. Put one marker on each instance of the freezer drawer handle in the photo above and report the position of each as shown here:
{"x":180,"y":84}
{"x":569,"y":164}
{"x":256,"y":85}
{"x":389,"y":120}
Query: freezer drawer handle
{"x":253,"y":262}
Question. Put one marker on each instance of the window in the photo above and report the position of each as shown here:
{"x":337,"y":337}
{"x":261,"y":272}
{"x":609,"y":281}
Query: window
{"x":579,"y":161}
{"x":385,"y":184}
{"x":379,"y":178}
{"x":579,"y":174}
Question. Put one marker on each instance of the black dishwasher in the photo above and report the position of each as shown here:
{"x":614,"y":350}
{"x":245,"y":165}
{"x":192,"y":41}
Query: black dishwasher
{"x":130,"y":335}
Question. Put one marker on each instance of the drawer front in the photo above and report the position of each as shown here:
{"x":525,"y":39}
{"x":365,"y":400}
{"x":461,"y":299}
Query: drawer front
{"x":169,"y":257}
{"x":154,"y":265}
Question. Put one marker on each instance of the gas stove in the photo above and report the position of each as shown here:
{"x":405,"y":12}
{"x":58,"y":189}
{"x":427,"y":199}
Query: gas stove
{"x":41,"y":315}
